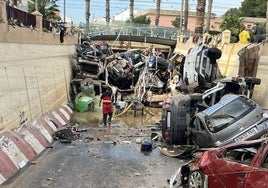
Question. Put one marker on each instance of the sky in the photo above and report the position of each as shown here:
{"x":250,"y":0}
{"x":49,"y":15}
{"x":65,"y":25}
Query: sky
{"x":76,"y":8}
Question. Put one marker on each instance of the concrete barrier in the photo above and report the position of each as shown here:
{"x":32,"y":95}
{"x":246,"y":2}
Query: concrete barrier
{"x":21,"y":145}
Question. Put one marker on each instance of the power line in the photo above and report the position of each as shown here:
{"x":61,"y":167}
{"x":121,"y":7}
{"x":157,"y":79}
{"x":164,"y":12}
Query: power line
{"x":97,"y":7}
{"x":142,"y":3}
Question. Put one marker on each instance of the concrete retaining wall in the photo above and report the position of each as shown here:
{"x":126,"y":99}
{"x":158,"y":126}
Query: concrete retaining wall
{"x":34,"y":79}
{"x":35,"y":75}
{"x":261,"y":91}
{"x":34,"y":90}
{"x":23,"y":144}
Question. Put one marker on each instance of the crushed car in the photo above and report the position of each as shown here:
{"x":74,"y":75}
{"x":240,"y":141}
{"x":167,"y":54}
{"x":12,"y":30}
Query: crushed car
{"x":90,"y":58}
{"x":240,"y":164}
{"x":133,"y":72}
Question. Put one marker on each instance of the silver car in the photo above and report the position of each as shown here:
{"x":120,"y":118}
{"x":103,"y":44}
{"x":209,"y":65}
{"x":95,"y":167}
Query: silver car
{"x":234,"y":118}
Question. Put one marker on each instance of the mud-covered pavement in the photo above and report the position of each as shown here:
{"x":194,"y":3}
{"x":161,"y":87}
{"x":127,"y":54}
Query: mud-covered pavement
{"x":102,"y":156}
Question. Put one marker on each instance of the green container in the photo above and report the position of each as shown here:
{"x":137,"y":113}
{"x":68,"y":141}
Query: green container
{"x":84,"y":103}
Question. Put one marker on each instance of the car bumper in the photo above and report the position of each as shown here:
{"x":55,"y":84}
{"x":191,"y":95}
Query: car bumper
{"x":253,"y":132}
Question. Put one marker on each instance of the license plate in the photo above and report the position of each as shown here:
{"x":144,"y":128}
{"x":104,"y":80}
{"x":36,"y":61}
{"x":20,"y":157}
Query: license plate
{"x":168,"y":120}
{"x":247,"y":134}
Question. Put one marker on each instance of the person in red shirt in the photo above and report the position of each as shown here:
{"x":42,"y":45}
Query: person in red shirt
{"x":107,"y":106}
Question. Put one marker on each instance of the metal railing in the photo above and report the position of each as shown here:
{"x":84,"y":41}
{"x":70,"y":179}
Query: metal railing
{"x":132,"y":29}
{"x":20,"y":18}
{"x":24,"y":19}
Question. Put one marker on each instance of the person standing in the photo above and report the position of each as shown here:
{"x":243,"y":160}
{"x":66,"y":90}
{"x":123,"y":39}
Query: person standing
{"x":107,"y":106}
{"x":62,"y":32}
{"x":244,"y":36}
{"x":257,"y":33}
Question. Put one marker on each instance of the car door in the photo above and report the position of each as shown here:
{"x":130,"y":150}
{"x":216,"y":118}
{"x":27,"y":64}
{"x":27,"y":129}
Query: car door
{"x":258,"y":177}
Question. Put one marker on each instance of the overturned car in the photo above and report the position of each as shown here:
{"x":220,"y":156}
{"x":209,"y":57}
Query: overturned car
{"x":202,"y":86}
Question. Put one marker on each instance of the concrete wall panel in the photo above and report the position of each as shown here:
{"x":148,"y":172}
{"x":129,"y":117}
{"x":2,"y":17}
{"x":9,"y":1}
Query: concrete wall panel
{"x":33,"y":81}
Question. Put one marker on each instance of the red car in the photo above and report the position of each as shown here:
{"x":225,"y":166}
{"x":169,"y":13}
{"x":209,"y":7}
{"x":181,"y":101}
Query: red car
{"x":237,"y":165}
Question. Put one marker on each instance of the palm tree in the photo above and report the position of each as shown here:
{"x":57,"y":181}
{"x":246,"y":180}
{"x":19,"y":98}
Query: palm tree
{"x":131,"y":9}
{"x":186,"y":13}
{"x":47,"y":8}
{"x":200,"y":16}
{"x":181,"y":15}
{"x":158,"y":2}
{"x":87,"y":15}
{"x":36,"y":5}
{"x":210,"y":2}
{"x":107,"y":12}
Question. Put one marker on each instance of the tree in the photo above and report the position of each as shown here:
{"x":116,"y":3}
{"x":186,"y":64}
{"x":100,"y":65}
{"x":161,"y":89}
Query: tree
{"x":210,"y":2}
{"x":233,"y":11}
{"x":200,"y":18}
{"x":186,"y":13}
{"x":176,"y":22}
{"x":87,"y":15}
{"x":107,"y":12}
{"x":47,"y":8}
{"x":256,"y":8}
{"x":140,"y":20}
{"x":131,"y":9}
{"x":233,"y":23}
{"x":158,"y":3}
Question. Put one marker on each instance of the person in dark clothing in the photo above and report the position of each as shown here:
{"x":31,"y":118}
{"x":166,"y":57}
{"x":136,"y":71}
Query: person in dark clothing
{"x":258,"y":33}
{"x":107,"y":106}
{"x":62,"y":32}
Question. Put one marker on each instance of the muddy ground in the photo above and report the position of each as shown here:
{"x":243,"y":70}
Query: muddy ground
{"x":102,"y":157}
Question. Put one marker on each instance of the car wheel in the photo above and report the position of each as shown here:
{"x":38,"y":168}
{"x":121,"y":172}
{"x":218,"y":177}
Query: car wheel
{"x":253,"y":80}
{"x":196,"y":97}
{"x":196,"y":179}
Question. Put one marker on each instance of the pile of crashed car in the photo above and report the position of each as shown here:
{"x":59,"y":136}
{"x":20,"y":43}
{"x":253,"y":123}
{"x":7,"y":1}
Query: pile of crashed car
{"x":133,"y":74}
{"x":213,"y":112}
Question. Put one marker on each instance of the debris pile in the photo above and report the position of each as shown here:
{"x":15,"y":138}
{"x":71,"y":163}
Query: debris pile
{"x":133,"y":74}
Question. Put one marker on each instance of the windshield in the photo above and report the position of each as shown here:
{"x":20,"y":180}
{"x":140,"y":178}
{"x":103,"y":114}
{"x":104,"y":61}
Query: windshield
{"x":228,"y":114}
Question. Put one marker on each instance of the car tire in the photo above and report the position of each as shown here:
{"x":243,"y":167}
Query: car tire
{"x":196,"y":97}
{"x":178,"y":127}
{"x":196,"y":179}
{"x":253,"y":80}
